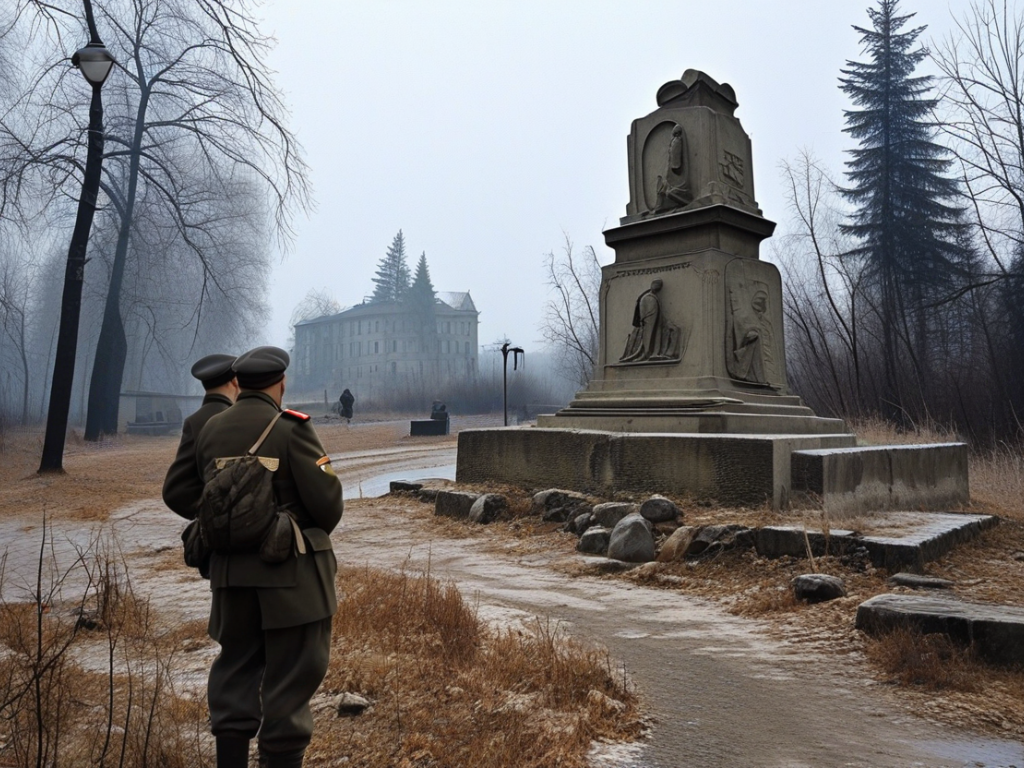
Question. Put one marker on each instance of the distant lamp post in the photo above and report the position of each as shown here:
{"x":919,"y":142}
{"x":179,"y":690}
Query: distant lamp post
{"x":516,"y":353}
{"x":95,"y":62}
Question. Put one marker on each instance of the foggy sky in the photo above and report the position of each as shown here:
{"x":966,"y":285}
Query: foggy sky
{"x":484,"y":130}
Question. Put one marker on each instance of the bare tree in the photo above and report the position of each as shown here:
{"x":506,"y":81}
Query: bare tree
{"x":191,"y":114}
{"x":571,"y":322}
{"x":983,"y":116}
{"x":15,"y":299}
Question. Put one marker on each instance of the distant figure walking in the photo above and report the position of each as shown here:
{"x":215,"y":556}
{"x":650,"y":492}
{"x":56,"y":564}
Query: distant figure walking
{"x":347,"y":400}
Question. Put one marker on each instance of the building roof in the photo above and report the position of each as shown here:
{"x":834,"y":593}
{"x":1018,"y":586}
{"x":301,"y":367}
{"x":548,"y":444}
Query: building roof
{"x":460,"y":300}
{"x":457,"y":300}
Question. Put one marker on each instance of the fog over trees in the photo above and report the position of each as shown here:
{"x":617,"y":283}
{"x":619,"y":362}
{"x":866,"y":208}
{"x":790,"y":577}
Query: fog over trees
{"x":201,"y":176}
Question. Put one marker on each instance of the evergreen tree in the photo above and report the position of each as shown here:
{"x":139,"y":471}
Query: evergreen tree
{"x":422,"y":301}
{"x":392,"y":280}
{"x":903,"y":219}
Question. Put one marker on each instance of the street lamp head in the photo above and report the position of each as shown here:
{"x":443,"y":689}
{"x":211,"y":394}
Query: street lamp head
{"x":95,"y":62}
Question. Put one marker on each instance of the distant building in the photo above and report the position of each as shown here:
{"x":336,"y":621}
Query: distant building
{"x":386,"y":345}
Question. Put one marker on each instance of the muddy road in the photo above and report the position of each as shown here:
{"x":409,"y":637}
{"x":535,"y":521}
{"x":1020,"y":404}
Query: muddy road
{"x":721,"y":692}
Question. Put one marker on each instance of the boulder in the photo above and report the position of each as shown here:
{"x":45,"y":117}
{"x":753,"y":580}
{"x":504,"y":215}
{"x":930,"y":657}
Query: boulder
{"x":719,"y":537}
{"x":631,"y":540}
{"x":818,"y":587}
{"x":580,"y":523}
{"x":594,"y":541}
{"x":658,"y":509}
{"x":611,"y":512}
{"x":487,"y":508}
{"x":455,"y":504}
{"x":427,"y":495}
{"x":558,"y":506}
{"x":675,"y":546}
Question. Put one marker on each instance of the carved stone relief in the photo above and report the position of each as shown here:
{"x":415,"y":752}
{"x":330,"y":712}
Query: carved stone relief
{"x":667,"y":160}
{"x":653,"y":338}
{"x":751,"y":346}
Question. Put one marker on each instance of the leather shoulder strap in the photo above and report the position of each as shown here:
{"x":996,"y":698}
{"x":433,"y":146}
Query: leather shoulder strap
{"x":266,"y":432}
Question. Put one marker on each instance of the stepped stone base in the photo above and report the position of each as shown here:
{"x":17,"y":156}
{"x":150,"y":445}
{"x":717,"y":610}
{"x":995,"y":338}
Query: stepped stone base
{"x":877,"y":478}
{"x":731,"y":469}
{"x":894,"y":541}
{"x":996,"y":632}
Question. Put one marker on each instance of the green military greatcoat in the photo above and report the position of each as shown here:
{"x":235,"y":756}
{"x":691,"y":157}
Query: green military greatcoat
{"x":181,"y":485}
{"x":300,"y":589}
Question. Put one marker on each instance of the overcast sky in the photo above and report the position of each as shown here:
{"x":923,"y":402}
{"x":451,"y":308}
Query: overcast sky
{"x":485,"y":129}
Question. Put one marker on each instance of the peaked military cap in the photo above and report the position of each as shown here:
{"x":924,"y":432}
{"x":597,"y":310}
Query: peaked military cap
{"x":214,"y":370}
{"x":261,"y":367}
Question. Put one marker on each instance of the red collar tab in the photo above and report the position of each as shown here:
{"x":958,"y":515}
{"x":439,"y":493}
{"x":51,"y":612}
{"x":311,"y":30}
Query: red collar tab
{"x":296,"y":414}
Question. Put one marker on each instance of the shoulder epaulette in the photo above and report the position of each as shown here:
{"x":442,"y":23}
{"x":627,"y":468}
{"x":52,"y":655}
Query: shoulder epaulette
{"x":296,"y":414}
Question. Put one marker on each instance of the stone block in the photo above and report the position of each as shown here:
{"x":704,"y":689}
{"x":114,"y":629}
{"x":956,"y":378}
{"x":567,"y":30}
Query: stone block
{"x":594,"y":541}
{"x":883,"y":477}
{"x":631,"y":540}
{"x":995,"y":632}
{"x":404,"y":485}
{"x":818,"y":587}
{"x":487,"y":508}
{"x":456,"y":504}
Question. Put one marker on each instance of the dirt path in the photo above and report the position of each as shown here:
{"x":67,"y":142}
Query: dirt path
{"x":721,"y":692}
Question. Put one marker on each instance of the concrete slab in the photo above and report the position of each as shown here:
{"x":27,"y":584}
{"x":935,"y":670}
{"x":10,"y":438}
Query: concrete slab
{"x":895,"y":541}
{"x":848,"y":480}
{"x":732,"y":469}
{"x":996,"y":632}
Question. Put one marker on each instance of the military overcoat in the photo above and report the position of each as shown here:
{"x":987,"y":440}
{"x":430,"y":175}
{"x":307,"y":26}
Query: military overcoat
{"x":300,"y":589}
{"x":181,"y":485}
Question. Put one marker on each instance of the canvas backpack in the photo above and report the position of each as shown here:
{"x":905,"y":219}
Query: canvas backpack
{"x":237,"y":508}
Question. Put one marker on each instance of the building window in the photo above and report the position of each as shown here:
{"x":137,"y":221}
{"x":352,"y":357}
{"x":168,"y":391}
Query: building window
{"x":376,"y":347}
{"x":376,"y":326}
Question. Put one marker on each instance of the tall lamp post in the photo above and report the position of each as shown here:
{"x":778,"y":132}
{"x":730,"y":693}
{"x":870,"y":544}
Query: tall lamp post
{"x":95,"y":63}
{"x":516,"y":352}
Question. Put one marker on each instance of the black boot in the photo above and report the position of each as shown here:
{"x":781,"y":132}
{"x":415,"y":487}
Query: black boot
{"x":232,"y":752}
{"x":285,"y":759}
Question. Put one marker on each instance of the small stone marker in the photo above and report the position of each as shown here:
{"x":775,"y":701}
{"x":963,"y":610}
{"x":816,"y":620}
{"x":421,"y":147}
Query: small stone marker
{"x":818,"y":587}
{"x":404,"y":485}
{"x":455,"y":504}
{"x":631,"y":540}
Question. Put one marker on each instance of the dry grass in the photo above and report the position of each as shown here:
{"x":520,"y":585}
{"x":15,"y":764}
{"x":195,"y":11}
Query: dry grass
{"x":448,"y":691}
{"x":931,"y":661}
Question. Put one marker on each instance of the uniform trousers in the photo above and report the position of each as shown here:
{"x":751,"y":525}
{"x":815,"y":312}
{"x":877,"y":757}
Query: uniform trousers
{"x":262,"y":679}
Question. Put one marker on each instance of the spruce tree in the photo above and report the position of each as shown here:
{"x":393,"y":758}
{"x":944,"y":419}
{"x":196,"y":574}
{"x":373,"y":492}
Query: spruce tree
{"x":422,"y":300}
{"x":392,"y":280}
{"x":903,"y":218}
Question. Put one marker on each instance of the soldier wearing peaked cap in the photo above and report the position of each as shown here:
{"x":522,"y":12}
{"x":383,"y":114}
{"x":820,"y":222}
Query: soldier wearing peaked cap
{"x":272,"y":621}
{"x":181,"y":486}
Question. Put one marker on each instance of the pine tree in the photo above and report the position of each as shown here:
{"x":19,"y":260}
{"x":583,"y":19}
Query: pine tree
{"x":422,"y":301}
{"x":392,"y":280}
{"x":903,"y":218}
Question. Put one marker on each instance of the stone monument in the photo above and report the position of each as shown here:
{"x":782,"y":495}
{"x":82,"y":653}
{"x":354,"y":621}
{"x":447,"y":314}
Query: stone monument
{"x":689,"y":394}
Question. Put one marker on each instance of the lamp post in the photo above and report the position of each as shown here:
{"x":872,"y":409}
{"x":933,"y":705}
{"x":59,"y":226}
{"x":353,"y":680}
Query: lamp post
{"x":95,"y":63}
{"x":516,"y":352}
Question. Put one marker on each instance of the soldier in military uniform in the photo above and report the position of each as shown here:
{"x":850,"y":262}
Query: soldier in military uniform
{"x":272,"y":621}
{"x":181,"y":486}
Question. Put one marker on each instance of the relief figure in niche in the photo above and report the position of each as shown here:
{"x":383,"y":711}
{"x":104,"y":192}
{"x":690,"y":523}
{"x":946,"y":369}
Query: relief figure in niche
{"x":673,"y":188}
{"x":653,"y":338}
{"x":753,"y":338}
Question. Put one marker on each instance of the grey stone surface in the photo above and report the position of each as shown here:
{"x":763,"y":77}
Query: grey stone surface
{"x":720,"y":537}
{"x":996,"y":632}
{"x":553,"y":498}
{"x":455,"y":504}
{"x":581,"y":523}
{"x":609,"y":513}
{"x":917,"y":581}
{"x":631,"y":540}
{"x":882,"y":477}
{"x":594,"y":541}
{"x":658,"y":509}
{"x":487,"y":508}
{"x":818,"y":587}
{"x":676,"y":545}
{"x":730,"y":469}
{"x":905,"y":540}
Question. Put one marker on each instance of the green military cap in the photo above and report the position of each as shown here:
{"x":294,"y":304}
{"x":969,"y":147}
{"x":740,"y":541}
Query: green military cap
{"x":214,"y":370}
{"x":261,"y":367}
